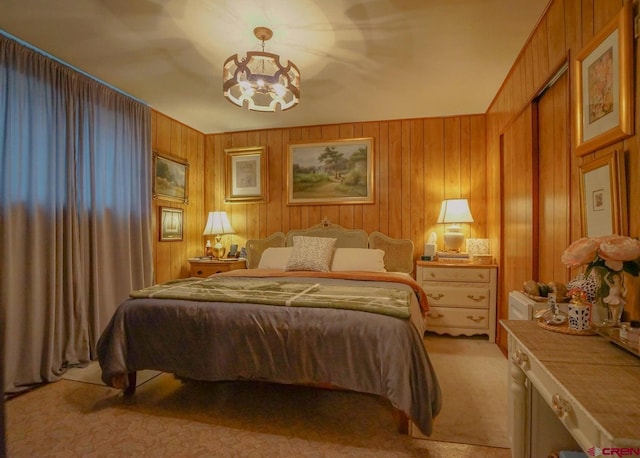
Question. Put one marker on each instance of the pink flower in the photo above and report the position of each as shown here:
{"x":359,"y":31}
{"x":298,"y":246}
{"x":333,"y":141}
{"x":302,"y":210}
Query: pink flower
{"x":582,"y":251}
{"x":615,"y":250}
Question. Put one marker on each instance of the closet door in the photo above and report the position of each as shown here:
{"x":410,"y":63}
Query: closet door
{"x":519,"y":199}
{"x":553,"y":174}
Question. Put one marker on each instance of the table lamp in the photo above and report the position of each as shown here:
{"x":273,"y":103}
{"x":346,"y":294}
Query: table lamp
{"x":217,"y":225}
{"x":454,"y":212}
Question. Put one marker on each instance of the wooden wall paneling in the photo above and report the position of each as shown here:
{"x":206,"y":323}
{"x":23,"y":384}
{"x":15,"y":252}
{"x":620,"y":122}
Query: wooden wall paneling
{"x":394,"y":215}
{"x":277,"y":189}
{"x":383,"y":177}
{"x":417,"y":201}
{"x":452,"y":170}
{"x":434,"y":170}
{"x":370,"y":212}
{"x":556,"y":31}
{"x":478,"y":174}
{"x":465,"y":174}
{"x":573,"y":26}
{"x":405,"y":183}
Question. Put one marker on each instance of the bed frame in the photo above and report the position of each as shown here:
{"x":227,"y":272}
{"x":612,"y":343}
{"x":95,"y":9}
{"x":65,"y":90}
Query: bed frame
{"x":398,"y":258}
{"x":398,"y":253}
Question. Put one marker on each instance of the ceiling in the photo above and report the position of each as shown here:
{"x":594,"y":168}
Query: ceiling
{"x":360,"y":60}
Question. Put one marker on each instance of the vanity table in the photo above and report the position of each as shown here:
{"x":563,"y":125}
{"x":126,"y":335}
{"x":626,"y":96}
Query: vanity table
{"x":569,"y":392}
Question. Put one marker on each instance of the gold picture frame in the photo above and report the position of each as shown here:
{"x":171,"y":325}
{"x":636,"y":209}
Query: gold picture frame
{"x":171,"y":224}
{"x":330,"y":172}
{"x":170,"y":178}
{"x":246,"y":175}
{"x":603,"y":86}
{"x":603,"y":197}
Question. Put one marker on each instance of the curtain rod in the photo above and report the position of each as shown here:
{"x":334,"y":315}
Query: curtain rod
{"x":66,"y":64}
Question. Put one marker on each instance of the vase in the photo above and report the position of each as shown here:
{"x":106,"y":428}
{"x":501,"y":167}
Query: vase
{"x":609,"y":298}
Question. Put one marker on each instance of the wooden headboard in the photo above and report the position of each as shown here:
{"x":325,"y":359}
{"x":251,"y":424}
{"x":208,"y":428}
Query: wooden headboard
{"x":398,"y":253}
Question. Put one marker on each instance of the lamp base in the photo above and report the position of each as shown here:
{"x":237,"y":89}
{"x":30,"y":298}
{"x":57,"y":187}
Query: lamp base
{"x":218,"y":249}
{"x":453,"y":238}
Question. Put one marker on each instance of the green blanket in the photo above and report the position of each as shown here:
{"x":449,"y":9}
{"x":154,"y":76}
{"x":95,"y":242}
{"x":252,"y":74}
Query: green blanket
{"x":386,"y":301}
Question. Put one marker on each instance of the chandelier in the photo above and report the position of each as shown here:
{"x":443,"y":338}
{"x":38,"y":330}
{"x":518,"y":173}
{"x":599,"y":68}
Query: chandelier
{"x":259,"y":81}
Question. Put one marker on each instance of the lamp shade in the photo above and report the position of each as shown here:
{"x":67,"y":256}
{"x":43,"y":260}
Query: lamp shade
{"x":218,"y":224}
{"x":455,"y":211}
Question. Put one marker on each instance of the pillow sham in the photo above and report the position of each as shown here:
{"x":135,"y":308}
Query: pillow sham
{"x":275,"y":258}
{"x":362,"y":259}
{"x":311,"y":253}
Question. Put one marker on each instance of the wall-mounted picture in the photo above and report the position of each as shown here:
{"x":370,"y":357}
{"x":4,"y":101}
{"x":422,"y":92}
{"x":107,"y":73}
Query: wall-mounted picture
{"x":246,"y":174}
{"x":171,"y":224}
{"x":170,"y":179}
{"x":331,"y":172}
{"x":603,"y":196}
{"x":603,"y":84}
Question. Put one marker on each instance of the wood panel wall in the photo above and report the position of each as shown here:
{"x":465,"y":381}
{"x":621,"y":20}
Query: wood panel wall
{"x":565,"y":28}
{"x":417,"y":163}
{"x":171,"y":137}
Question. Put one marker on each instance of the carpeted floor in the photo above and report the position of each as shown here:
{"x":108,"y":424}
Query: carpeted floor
{"x":169,"y":418}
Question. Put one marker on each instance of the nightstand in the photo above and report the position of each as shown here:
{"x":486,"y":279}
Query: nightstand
{"x":205,"y":267}
{"x":462,"y":297}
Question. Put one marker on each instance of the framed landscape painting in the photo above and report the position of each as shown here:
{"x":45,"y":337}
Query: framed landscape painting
{"x":170,"y":178}
{"x":330,"y":172}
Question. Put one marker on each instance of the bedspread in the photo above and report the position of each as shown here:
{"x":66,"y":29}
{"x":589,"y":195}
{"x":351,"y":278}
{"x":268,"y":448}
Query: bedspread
{"x":215,"y":341}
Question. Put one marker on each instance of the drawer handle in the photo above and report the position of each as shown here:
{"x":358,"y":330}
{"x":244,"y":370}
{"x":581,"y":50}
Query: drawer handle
{"x":560,"y":406}
{"x":481,"y":276}
{"x":199,"y":272}
{"x":520,"y":358}
{"x":435,"y":296}
{"x":433,"y":275}
{"x":476,"y":298}
{"x":435,"y":315}
{"x":477,"y":319}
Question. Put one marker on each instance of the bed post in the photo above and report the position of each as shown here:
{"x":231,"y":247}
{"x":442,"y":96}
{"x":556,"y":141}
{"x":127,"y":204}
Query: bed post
{"x":131,"y":388}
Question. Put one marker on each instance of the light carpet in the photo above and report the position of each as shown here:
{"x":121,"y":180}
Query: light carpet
{"x":473,"y":379}
{"x":167,"y":417}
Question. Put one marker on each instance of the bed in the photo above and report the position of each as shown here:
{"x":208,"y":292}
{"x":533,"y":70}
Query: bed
{"x":325,"y":306}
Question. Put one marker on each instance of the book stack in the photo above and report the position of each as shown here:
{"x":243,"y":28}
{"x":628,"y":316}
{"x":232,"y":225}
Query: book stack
{"x":453,"y":256}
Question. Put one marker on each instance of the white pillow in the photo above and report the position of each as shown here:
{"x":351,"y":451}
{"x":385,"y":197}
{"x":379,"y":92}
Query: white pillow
{"x":275,"y":258}
{"x":311,"y":253}
{"x":363,"y":259}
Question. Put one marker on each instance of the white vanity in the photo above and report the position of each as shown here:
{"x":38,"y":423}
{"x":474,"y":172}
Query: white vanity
{"x":569,"y":392}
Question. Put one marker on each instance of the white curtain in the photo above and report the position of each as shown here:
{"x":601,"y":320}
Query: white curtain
{"x":75,"y":233}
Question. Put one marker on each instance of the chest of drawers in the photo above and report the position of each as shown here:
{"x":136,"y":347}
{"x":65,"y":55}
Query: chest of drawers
{"x":204,"y":267}
{"x":462,"y":297}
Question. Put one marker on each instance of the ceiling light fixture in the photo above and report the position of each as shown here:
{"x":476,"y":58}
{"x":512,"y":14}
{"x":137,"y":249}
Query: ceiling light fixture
{"x":259,"y":82}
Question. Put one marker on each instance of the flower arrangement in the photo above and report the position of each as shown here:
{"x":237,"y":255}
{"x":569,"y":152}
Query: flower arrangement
{"x":611,"y":254}
{"x":606,"y":259}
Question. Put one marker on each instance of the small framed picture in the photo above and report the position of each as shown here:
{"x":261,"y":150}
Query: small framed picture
{"x":603,"y":84}
{"x":246,"y":175}
{"x":171,"y":224}
{"x":603,"y":196}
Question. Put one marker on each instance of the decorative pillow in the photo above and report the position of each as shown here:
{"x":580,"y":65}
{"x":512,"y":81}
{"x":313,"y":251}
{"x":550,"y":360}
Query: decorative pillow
{"x":311,"y":253}
{"x":275,"y":258}
{"x":362,"y":259}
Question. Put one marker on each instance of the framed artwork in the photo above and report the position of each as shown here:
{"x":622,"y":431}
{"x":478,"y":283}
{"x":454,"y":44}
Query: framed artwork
{"x":603,"y":196}
{"x":603,"y":86}
{"x":330,"y":172}
{"x":171,"y":224}
{"x":170,"y":178}
{"x":246,"y":175}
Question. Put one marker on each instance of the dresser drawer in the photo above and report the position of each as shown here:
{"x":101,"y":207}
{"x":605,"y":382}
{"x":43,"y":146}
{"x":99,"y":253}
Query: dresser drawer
{"x":446,"y":317}
{"x":571,"y":414}
{"x":466,"y":274}
{"x":452,"y":296}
